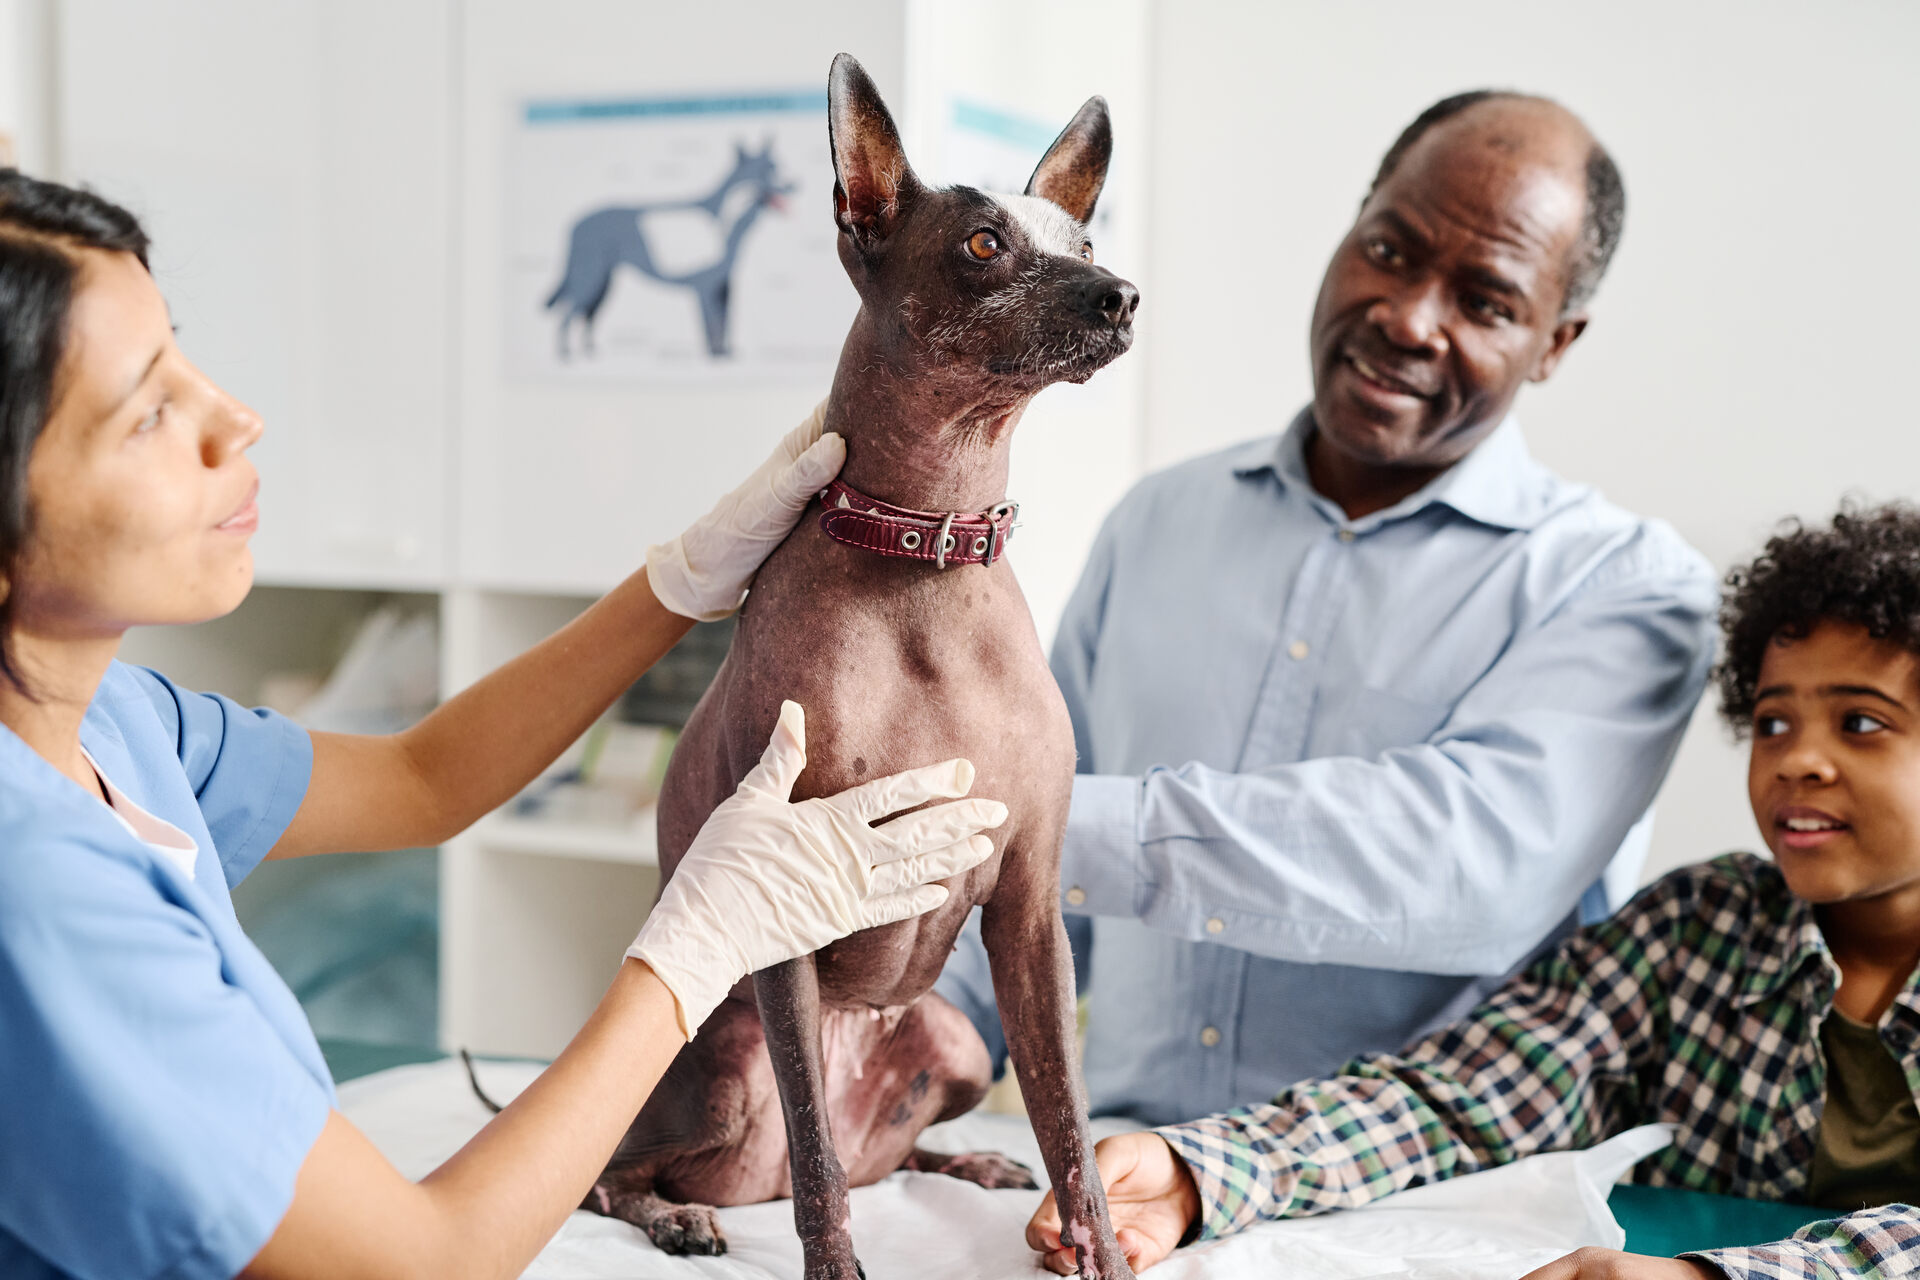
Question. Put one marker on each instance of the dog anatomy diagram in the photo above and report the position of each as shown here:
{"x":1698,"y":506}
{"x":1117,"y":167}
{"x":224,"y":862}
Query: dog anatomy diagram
{"x":666,"y":240}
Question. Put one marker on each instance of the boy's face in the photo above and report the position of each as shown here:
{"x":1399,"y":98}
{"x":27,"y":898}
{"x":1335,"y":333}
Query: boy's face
{"x":1835,"y":772}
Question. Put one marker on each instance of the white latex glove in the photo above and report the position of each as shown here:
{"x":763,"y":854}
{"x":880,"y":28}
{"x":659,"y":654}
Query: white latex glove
{"x":703,"y":573}
{"x":767,"y":880}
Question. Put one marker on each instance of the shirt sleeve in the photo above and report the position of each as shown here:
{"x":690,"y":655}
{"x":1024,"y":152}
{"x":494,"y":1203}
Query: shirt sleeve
{"x":154,"y":1121}
{"x":1551,"y":1062}
{"x":249,"y":769}
{"x":1077,"y":640}
{"x":1456,"y":854}
{"x":1878,"y":1242}
{"x":966,"y":982}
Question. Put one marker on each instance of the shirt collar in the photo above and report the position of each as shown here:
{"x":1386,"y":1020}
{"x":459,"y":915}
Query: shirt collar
{"x":1795,"y":954}
{"x":1497,"y":483}
{"x":165,"y":839}
{"x":1793,"y":942}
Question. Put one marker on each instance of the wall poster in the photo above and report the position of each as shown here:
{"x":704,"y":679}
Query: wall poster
{"x":682,"y":240}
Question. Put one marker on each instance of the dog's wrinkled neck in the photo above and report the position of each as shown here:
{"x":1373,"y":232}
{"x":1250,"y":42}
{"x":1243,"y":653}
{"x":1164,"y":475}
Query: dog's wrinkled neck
{"x":932,"y":440}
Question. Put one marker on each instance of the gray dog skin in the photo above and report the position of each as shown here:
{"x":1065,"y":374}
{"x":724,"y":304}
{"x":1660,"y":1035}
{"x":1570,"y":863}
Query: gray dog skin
{"x":819,"y":1074}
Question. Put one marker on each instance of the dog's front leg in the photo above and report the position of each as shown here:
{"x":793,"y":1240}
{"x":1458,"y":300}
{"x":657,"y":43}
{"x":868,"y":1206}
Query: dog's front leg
{"x":1033,"y":983}
{"x":789,"y":999}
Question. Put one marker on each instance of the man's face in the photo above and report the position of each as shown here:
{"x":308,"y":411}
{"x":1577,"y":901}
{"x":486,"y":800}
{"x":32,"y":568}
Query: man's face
{"x":1446,"y":294}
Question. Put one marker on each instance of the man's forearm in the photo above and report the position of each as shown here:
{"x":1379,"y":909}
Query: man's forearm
{"x":1454,"y":853}
{"x":1435,"y":860}
{"x":477,"y":750}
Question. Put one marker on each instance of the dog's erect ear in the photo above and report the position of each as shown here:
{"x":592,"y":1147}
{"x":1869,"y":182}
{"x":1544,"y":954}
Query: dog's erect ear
{"x":1075,"y":166}
{"x":872,"y":182}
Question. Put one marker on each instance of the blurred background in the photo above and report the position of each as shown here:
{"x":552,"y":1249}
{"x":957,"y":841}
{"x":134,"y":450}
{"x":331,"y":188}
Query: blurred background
{"x":361,"y":209}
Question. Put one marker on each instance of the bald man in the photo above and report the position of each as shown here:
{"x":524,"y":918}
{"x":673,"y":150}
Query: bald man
{"x":1369,"y":712}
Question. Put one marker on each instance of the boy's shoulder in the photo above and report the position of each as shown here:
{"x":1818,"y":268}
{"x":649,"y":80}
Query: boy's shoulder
{"x":1744,"y":876}
{"x":1729,"y":906}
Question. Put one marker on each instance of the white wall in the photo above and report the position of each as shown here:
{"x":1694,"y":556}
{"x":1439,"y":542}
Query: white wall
{"x":1747,"y":359}
{"x":1079,"y":448}
{"x":26,"y":85}
{"x":1751,"y":353}
{"x":291,"y":163}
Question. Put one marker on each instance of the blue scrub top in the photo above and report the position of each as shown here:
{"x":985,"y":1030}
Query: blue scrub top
{"x":159,"y":1084}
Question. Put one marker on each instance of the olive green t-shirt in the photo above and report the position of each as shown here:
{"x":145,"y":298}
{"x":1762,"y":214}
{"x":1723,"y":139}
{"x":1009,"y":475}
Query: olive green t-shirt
{"x":1868,"y":1152}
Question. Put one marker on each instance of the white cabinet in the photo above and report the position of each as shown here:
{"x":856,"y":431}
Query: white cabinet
{"x":292,"y":164}
{"x":533,"y":916}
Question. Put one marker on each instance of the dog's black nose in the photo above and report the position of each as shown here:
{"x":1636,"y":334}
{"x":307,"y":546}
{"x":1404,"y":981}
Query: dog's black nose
{"x":1111,"y":298}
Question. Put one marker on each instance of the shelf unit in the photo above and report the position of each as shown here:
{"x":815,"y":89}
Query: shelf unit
{"x":631,"y":845}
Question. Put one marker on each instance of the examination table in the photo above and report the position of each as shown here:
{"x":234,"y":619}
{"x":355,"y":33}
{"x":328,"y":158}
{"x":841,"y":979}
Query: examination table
{"x":418,"y":1108}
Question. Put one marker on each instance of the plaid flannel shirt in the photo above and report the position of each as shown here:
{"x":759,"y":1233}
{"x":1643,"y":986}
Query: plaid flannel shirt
{"x":1699,"y":1004}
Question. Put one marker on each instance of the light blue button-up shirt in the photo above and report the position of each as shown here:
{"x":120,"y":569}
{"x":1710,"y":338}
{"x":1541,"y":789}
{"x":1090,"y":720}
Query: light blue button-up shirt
{"x":1339,"y":777}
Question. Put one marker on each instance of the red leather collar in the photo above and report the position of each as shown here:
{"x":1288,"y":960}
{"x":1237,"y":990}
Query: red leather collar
{"x":943,"y":537}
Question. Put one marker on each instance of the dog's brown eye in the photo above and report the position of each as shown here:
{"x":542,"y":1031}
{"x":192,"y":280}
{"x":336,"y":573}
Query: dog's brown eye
{"x":1086,"y":252}
{"x":983,"y":245}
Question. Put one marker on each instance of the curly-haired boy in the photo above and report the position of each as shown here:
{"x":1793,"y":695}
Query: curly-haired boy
{"x":1769,"y":1010}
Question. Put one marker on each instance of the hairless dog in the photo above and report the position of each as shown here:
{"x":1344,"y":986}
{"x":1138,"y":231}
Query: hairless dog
{"x":912,"y":646}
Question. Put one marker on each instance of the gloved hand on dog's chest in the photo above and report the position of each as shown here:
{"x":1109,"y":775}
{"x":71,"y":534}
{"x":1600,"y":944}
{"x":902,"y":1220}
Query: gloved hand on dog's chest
{"x":703,"y":573}
{"x":768,"y":879}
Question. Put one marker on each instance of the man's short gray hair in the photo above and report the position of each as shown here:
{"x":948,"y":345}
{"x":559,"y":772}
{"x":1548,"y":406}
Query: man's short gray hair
{"x":1606,"y":213}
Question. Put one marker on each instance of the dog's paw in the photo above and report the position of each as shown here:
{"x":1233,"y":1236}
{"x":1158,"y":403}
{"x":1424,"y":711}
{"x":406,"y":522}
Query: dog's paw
{"x":686,"y":1230}
{"x":681,"y":1229}
{"x":988,"y":1169}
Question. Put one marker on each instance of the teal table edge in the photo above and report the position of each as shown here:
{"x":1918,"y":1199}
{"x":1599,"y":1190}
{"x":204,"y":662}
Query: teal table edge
{"x":1667,"y":1221}
{"x":1662,"y":1221}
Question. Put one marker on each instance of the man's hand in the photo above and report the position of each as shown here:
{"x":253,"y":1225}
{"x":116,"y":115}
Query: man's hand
{"x":1151,"y":1199}
{"x":1611,"y":1264}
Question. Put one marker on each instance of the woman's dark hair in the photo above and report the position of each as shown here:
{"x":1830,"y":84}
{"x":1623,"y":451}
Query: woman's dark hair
{"x":1863,"y":569}
{"x":42,"y":227}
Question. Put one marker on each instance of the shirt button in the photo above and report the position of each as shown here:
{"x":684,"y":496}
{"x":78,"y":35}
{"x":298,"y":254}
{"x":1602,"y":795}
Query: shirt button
{"x":1297,"y":650}
{"x":1216,"y":925}
{"x":1346,"y":535}
{"x":1076,"y":896}
{"x":1210,"y":1036}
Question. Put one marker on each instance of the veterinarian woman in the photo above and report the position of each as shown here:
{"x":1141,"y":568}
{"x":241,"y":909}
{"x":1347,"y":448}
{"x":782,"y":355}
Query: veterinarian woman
{"x":167,"y":1112}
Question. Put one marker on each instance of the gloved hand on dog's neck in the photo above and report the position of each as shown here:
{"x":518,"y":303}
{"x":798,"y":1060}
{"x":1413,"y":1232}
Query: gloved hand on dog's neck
{"x":703,"y":573}
{"x":768,"y":880}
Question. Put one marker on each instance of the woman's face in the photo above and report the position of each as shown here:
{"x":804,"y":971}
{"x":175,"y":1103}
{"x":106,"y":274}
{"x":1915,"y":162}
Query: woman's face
{"x":1834,"y":775}
{"x":140,"y":492}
